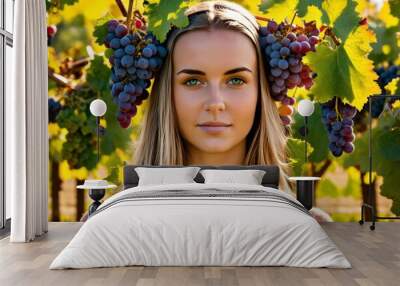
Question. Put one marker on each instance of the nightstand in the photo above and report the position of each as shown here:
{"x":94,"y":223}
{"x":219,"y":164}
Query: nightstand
{"x":97,"y":190}
{"x":305,"y":190}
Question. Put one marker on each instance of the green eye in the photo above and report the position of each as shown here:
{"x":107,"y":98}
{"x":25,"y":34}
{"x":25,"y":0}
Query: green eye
{"x":191,"y":82}
{"x":237,"y":81}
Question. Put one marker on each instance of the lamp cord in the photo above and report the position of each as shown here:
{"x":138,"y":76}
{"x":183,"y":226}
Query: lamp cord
{"x":305,"y":140}
{"x":98,"y":138}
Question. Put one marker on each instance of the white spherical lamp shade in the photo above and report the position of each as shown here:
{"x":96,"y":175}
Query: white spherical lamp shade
{"x":98,"y":107}
{"x":305,"y":107}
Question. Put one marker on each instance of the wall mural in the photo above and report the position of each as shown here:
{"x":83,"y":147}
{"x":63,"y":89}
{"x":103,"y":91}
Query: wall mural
{"x":169,"y":101}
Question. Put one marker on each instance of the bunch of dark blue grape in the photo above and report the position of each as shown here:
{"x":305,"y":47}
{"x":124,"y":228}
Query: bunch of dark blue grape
{"x":284,"y":46}
{"x":385,"y":77}
{"x":54,"y":108}
{"x":135,"y":57}
{"x":338,"y":120}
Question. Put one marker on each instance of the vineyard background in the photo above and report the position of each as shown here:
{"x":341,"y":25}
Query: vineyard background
{"x":370,"y":41}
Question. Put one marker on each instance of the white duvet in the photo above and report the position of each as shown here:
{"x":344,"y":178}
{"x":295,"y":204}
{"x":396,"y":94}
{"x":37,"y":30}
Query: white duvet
{"x":218,"y":231}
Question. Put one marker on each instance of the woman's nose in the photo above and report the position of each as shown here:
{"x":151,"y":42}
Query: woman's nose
{"x":215,"y":101}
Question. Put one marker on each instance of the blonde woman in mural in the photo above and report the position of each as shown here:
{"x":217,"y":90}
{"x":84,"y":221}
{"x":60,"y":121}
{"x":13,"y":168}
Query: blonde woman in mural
{"x":210,"y":103}
{"x":213,"y":73}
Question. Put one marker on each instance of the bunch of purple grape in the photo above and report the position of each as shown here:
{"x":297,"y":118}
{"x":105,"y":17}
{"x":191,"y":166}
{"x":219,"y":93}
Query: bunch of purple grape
{"x":135,"y":57}
{"x":284,"y":46}
{"x":338,"y":119}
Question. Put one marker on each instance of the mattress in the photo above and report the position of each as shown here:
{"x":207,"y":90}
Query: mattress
{"x":201,"y":225}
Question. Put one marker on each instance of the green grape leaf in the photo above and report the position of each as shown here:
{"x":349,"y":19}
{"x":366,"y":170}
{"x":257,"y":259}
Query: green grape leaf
{"x":342,"y":15}
{"x":115,"y":136}
{"x":279,"y":10}
{"x":395,"y":8}
{"x":296,"y":155}
{"x":386,"y":49}
{"x":98,"y":74}
{"x":313,"y":13}
{"x":90,"y":161}
{"x":100,"y":29}
{"x":390,"y":186}
{"x":346,"y":71}
{"x":390,"y":139}
{"x":302,"y":6}
{"x":162,"y":14}
{"x":317,"y":135}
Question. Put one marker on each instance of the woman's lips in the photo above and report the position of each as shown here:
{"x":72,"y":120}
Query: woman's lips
{"x":214,"y":129}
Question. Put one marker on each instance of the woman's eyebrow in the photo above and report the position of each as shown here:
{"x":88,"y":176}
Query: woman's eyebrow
{"x":235,"y":70}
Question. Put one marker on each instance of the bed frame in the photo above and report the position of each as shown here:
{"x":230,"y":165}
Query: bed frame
{"x":270,"y":179}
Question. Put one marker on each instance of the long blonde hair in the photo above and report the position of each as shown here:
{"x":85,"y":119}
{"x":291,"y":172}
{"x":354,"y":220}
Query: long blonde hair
{"x":160,"y":142}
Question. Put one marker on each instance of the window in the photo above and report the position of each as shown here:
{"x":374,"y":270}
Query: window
{"x":6,"y":45}
{"x":9,"y":13}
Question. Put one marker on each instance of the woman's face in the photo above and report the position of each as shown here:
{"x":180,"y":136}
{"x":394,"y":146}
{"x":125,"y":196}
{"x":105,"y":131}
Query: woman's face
{"x":215,"y":88}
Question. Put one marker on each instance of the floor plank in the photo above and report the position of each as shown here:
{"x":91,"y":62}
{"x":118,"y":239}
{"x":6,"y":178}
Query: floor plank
{"x":374,"y":255}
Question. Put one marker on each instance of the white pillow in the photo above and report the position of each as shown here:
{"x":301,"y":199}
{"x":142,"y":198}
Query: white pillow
{"x":162,"y":176}
{"x":250,"y":177}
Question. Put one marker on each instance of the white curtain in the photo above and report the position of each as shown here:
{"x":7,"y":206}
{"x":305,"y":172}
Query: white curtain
{"x":26,"y":124}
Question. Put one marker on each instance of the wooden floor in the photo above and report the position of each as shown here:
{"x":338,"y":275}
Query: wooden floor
{"x":374,"y":255}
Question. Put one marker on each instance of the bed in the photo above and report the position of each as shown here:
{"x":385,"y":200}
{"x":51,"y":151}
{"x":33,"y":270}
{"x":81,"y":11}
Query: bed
{"x":201,"y":224}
